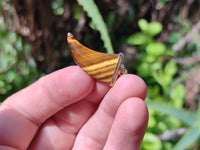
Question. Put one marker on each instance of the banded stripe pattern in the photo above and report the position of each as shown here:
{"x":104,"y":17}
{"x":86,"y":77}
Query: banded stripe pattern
{"x":101,"y":66}
{"x":102,"y":71}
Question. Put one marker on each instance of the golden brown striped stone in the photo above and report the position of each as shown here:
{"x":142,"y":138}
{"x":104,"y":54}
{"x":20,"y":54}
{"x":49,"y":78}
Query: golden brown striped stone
{"x":101,"y":66}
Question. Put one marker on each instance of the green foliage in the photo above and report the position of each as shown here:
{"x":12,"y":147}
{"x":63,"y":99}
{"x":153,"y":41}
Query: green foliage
{"x":148,"y":31}
{"x":77,"y":10}
{"x":57,"y":7}
{"x":17,"y":67}
{"x":155,"y":49}
{"x":151,"y":65}
{"x":139,"y":39}
{"x":189,"y":138}
{"x":162,"y":3}
{"x":159,"y":72}
{"x":98,"y":23}
{"x":174,"y":37}
{"x":189,"y":118}
{"x":151,"y":142}
{"x":151,"y":29}
{"x":183,"y":115}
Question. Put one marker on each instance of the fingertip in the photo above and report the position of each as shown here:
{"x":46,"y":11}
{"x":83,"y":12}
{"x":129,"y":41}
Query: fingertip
{"x":129,"y":125}
{"x":133,"y":83}
{"x":136,"y":109}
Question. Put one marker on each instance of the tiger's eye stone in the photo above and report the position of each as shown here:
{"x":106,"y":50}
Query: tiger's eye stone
{"x":101,"y":66}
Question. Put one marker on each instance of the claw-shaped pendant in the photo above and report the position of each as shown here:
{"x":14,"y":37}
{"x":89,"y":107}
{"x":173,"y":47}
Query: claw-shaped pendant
{"x":104,"y":67}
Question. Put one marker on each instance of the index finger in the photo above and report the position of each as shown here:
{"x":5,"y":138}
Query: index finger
{"x":51,"y":93}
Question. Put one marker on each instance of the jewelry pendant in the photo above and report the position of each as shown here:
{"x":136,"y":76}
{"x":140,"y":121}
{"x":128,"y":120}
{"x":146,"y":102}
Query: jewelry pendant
{"x":102,"y":66}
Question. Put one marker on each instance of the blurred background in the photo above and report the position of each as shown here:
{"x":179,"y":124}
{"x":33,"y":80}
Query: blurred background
{"x":160,"y":40}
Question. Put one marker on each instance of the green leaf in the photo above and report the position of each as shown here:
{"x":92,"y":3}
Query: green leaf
{"x":171,"y":68}
{"x":90,"y":7}
{"x":172,"y":122}
{"x":57,"y":7}
{"x":167,"y":145}
{"x":177,"y":95}
{"x":143,"y":70}
{"x":151,"y":142}
{"x":150,"y":59}
{"x":151,"y":29}
{"x":154,"y":28}
{"x":156,"y":49}
{"x":163,"y":79}
{"x":183,"y":115}
{"x":178,"y":92}
{"x":162,"y":3}
{"x":198,"y":114}
{"x":77,"y":11}
{"x":190,"y":47}
{"x":143,"y":24}
{"x":139,"y":39}
{"x":189,"y":138}
{"x":161,"y":126}
{"x":154,"y":90}
{"x":152,"y":120}
{"x":155,"y":66}
{"x":174,"y":37}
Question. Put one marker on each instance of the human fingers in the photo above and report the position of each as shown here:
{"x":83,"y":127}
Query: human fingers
{"x":95,"y":132}
{"x":21,"y":113}
{"x":129,"y":126}
{"x":64,"y":125}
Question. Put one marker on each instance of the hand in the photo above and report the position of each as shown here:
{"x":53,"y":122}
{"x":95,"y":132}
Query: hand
{"x":68,"y":109}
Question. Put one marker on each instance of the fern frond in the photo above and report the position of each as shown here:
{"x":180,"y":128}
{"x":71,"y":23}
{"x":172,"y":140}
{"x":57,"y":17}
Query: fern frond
{"x":183,"y":115}
{"x":90,"y":7}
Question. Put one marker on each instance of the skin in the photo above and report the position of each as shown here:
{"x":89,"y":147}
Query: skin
{"x":68,"y":109}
